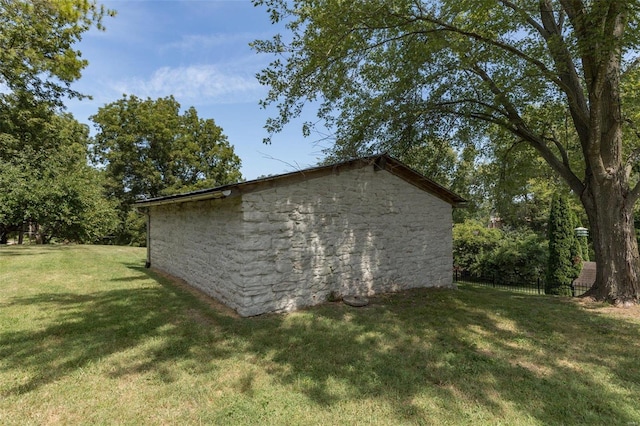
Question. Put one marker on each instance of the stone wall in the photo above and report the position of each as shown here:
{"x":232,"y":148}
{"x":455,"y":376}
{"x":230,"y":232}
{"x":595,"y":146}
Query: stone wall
{"x":198,"y":242}
{"x":293,"y":245}
{"x":358,"y":232}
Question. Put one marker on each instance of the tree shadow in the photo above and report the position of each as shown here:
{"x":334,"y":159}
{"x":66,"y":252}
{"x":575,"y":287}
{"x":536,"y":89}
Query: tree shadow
{"x":399,"y":352}
{"x":29,"y":250}
{"x":88,"y":327}
{"x":472,"y":355}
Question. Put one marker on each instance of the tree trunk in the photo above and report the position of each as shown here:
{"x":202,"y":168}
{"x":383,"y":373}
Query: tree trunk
{"x":607,"y":196}
{"x":40,"y":238}
{"x":615,"y":244}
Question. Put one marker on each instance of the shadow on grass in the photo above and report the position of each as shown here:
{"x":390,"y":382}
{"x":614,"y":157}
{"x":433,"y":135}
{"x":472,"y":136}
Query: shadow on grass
{"x":85,"y":328}
{"x":30,"y":250}
{"x":422,"y":352}
{"x":465,"y":357}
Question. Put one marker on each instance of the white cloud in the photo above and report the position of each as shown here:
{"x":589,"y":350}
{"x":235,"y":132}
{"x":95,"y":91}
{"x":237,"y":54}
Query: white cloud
{"x":196,"y":84}
{"x":199,"y":42}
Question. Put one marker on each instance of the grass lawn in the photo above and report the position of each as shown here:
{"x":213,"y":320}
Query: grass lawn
{"x":88,"y":336}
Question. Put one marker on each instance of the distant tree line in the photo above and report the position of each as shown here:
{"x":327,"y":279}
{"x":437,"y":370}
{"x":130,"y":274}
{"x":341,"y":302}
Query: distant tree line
{"x":60,"y":183}
{"x":57,"y":182}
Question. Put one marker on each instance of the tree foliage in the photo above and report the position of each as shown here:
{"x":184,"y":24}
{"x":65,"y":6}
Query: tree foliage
{"x":471,"y":241}
{"x":44,"y":176}
{"x":408,"y":72}
{"x":45,"y":180}
{"x":148,"y":148}
{"x":518,"y":183}
{"x":562,"y":266}
{"x":505,"y":256}
{"x":36,"y":45}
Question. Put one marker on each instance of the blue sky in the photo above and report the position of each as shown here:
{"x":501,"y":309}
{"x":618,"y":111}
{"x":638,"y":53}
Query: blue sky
{"x":197,"y":51}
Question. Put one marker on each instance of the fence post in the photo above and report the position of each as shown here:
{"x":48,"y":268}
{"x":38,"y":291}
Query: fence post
{"x":539,"y":285}
{"x":573,"y":290}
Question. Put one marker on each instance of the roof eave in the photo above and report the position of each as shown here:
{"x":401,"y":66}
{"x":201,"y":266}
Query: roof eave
{"x":210,"y":195}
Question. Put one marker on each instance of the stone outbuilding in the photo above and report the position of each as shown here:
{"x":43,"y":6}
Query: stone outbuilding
{"x":280,"y":243}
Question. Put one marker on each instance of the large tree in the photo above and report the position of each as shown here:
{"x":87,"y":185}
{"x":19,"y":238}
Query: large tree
{"x":149,"y":148}
{"x":44,"y":176}
{"x":45,"y":179}
{"x":386,"y":71}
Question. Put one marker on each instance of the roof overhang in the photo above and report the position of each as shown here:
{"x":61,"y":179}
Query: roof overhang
{"x":183,"y":198}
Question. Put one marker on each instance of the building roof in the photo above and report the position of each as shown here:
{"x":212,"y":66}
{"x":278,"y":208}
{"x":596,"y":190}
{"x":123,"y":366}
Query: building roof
{"x":378,"y":162}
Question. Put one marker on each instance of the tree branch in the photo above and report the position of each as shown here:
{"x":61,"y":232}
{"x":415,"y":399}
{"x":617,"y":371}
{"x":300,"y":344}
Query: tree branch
{"x":566,"y":70}
{"x":634,"y":194}
{"x":521,"y":129}
{"x":495,"y":43}
{"x":524,"y":14}
{"x":635,"y":154}
{"x":563,"y":152}
{"x":472,"y":101}
{"x":630,"y":67}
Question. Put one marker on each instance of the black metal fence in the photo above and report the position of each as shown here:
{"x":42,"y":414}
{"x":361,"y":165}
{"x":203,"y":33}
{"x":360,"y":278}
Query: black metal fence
{"x":578,"y":289}
{"x":522,"y":286}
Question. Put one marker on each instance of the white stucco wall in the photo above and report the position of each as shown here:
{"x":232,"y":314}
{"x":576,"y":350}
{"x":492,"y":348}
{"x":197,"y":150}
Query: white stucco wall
{"x":278,"y":249}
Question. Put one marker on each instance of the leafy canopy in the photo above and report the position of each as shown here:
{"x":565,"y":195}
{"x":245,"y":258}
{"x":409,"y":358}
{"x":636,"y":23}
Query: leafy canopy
{"x":36,"y":44}
{"x":45,"y":177}
{"x":148,"y":148}
{"x":395,"y":74}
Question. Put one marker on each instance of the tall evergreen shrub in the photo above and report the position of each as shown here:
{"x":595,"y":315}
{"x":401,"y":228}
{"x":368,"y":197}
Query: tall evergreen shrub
{"x":584,"y":243}
{"x":577,"y":252}
{"x":563,"y":249}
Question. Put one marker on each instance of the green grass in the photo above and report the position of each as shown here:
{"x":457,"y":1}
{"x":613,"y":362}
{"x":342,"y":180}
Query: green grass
{"x":88,"y":336}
